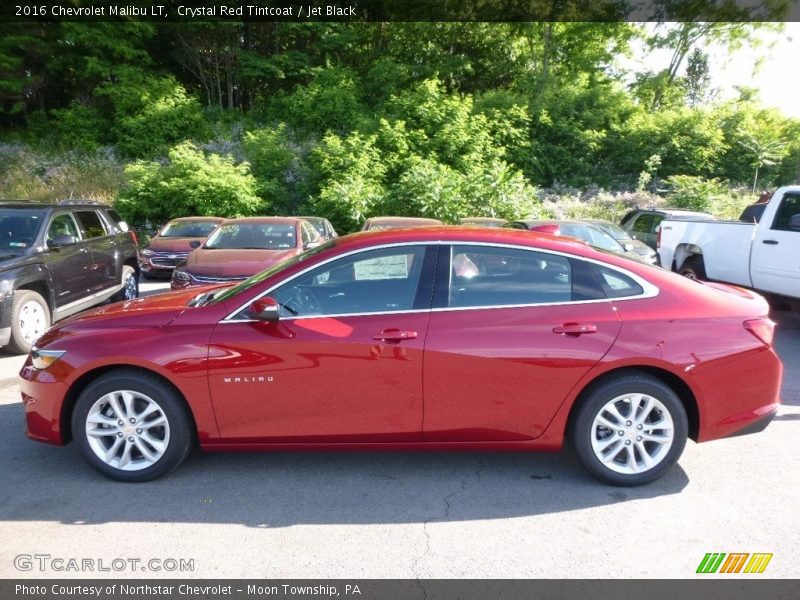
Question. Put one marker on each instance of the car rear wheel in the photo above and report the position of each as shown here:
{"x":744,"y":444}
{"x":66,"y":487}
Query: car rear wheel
{"x":131,"y":426}
{"x":30,"y":318}
{"x":630,"y":430}
{"x":693,"y":268}
{"x":130,"y":285}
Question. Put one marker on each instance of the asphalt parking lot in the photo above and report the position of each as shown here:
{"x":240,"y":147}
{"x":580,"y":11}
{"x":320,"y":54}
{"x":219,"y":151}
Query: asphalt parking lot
{"x":423,"y":515}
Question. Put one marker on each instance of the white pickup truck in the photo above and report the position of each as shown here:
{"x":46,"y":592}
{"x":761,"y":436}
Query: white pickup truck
{"x":764,"y":255}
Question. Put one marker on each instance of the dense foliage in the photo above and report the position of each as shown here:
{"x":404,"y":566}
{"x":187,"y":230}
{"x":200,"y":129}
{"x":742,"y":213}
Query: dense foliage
{"x":353,"y":120}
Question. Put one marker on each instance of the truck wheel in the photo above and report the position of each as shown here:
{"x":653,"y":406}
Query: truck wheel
{"x":30,"y":318}
{"x":694,"y":268}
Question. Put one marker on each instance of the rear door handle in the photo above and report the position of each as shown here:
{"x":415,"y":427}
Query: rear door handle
{"x":770,"y":242}
{"x":574,"y":329}
{"x":394,"y":335}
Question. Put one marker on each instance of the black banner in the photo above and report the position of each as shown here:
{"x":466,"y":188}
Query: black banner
{"x":402,"y":10}
{"x":734,"y":588}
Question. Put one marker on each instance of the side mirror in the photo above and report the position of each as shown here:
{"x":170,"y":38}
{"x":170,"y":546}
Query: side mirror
{"x":309,"y":245}
{"x":265,"y":309}
{"x":62,"y":240}
{"x":195,"y":244}
{"x":794,"y":222}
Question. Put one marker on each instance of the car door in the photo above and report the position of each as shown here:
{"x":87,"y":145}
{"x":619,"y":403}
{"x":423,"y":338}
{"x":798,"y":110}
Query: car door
{"x":508,"y":339}
{"x":103,"y":273}
{"x":69,"y":265}
{"x":775,"y":262}
{"x":343,"y":363}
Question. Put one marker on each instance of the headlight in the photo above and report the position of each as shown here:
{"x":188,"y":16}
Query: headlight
{"x":43,"y":359}
{"x":147,"y":252}
{"x":181,"y":276}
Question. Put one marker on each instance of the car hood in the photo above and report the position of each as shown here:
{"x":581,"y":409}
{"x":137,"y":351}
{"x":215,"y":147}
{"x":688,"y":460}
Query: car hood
{"x":150,"y":311}
{"x":172,"y":244}
{"x":638,"y":247}
{"x":234,"y":263}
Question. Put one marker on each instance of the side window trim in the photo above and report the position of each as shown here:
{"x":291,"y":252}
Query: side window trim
{"x":650,"y":290}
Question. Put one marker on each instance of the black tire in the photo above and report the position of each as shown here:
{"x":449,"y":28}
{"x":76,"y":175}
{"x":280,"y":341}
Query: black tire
{"x":18,"y":344}
{"x":693,"y":268}
{"x":130,"y":287}
{"x":581,"y":434}
{"x":172,"y":405}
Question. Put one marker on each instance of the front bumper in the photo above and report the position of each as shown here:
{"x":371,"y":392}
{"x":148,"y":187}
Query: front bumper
{"x":43,"y":394}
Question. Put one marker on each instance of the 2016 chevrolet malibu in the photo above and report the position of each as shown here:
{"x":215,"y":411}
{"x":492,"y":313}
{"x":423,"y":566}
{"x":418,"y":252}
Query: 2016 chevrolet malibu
{"x":434,"y":338}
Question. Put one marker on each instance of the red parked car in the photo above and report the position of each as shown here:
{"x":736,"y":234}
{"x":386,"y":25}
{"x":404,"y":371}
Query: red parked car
{"x":375,"y":341}
{"x":171,"y":246}
{"x":239,"y":248}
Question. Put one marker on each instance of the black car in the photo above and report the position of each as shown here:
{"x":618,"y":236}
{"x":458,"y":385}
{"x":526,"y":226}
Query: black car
{"x":58,"y":259}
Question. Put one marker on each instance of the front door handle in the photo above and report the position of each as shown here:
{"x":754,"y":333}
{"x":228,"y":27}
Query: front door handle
{"x":394,"y":335}
{"x":770,"y":242}
{"x":574,"y":329}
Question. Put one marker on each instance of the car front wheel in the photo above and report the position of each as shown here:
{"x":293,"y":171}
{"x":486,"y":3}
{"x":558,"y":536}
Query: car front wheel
{"x":630,"y":430}
{"x":131,"y":426}
{"x":30,"y":318}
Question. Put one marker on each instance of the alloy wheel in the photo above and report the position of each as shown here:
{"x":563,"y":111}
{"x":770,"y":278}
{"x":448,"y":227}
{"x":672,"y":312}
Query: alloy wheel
{"x":127,"y":430}
{"x":632,"y":433}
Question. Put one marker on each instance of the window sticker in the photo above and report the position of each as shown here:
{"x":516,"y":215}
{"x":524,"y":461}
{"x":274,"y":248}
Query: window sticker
{"x":384,"y":267}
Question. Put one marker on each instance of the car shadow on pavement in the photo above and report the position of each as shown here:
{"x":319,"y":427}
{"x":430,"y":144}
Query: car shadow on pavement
{"x":45,"y":483}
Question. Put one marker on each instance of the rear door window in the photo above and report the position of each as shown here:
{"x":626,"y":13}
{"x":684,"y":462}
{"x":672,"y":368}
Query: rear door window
{"x":483,"y":276}
{"x":91,"y":223}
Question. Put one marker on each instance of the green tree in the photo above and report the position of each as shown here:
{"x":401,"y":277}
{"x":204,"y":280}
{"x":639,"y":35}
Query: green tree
{"x":190,"y":183}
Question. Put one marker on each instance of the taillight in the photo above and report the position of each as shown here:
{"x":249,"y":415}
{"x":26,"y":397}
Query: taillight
{"x":763,"y":328}
{"x":134,"y":238}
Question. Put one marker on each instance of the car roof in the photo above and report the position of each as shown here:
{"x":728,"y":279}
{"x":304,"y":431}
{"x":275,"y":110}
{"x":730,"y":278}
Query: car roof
{"x":312,"y":218}
{"x":265,"y":220}
{"x":48,"y":205}
{"x":195,"y":219}
{"x":402,"y":220}
{"x":482,"y":220}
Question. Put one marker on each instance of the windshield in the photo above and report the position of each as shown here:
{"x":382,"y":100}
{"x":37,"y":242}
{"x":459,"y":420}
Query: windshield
{"x":245,"y":285}
{"x":615,"y":231}
{"x":195,"y":229}
{"x":253,"y":236}
{"x":595,"y":236}
{"x":18,"y":229}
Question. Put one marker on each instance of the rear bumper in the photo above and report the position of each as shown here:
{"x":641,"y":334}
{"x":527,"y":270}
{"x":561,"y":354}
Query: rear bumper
{"x":759,"y":424}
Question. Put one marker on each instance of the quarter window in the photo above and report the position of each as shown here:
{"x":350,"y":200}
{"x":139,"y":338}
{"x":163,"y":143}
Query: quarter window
{"x":490,"y":276}
{"x":616,"y":284}
{"x":375,"y":281}
{"x":91,"y":223}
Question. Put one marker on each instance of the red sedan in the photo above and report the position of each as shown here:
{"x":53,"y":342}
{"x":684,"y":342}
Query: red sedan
{"x":434,"y":338}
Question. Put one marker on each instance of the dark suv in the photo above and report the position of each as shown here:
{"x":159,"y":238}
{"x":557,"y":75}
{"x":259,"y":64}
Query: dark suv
{"x":58,"y":259}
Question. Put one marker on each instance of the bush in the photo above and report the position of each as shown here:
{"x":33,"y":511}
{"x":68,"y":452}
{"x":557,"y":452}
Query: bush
{"x":30,"y":175}
{"x":694,"y":193}
{"x":190,"y":183}
{"x":151,"y":114}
